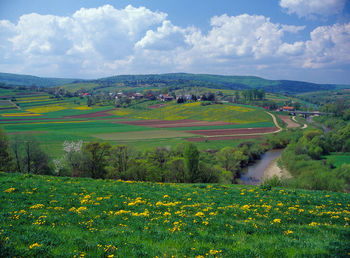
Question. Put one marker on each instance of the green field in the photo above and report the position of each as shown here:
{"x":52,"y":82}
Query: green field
{"x":46,"y":216}
{"x":338,"y":159}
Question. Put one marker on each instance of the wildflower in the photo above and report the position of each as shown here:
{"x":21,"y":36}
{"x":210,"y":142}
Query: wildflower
{"x":37,"y":206}
{"x":199,"y":214}
{"x":35,"y":245}
{"x":287,"y":232}
{"x":214,"y":252}
{"x":121,"y":212}
{"x":10,"y":190}
{"x":166,"y":196}
{"x":277,"y":221}
{"x":312,"y":224}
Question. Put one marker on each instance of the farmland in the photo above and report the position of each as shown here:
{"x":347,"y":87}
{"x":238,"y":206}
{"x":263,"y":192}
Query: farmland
{"x":102,"y":217}
{"x":55,"y":120}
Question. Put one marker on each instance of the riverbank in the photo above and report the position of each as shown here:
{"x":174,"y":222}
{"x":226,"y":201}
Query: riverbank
{"x":273,"y":169}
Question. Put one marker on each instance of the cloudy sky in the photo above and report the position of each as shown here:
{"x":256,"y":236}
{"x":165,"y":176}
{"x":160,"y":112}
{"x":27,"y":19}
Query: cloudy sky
{"x":277,"y":39}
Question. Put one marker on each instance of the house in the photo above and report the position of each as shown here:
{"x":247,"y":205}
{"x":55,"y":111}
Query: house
{"x":287,"y":108}
{"x":166,"y":97}
{"x":138,"y":95}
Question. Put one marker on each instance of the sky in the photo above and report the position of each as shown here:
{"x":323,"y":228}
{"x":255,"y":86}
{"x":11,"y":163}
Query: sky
{"x":304,"y":40}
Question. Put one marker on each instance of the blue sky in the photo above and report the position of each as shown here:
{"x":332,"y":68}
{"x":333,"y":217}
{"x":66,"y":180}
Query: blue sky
{"x":287,"y":39}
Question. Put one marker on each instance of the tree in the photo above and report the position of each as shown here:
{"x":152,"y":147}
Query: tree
{"x":29,"y":156}
{"x":191,"y":158}
{"x":231,"y":160}
{"x":5,"y":158}
{"x":96,"y":159}
{"x":176,"y":171}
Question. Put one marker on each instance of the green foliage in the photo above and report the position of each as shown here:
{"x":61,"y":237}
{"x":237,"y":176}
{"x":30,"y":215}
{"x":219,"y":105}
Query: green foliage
{"x":29,"y":157}
{"x":191,"y":159}
{"x":5,"y":158}
{"x":96,"y":159}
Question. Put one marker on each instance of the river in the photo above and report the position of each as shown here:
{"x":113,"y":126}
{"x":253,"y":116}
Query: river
{"x":254,"y":173}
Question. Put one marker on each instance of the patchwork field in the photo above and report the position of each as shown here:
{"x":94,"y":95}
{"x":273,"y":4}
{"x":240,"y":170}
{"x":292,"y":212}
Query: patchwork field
{"x":46,"y":216}
{"x":53,"y":121}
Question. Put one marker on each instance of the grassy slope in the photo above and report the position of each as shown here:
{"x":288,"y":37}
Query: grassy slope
{"x":47,"y":216}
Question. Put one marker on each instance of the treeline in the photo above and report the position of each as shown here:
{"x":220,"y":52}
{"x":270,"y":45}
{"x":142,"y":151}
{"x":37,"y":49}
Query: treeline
{"x":304,"y":159}
{"x":181,"y":164}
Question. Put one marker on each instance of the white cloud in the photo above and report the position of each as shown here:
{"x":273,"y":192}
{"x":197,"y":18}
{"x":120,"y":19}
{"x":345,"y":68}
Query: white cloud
{"x":106,"y":41}
{"x":166,"y":37}
{"x":87,"y":42}
{"x":309,"y":8}
{"x":329,"y":45}
{"x":243,"y":36}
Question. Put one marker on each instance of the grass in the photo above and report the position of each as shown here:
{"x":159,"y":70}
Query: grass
{"x":45,"y":216}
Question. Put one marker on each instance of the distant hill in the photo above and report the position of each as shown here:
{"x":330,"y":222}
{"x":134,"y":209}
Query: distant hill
{"x":173,"y":80}
{"x":28,"y":80}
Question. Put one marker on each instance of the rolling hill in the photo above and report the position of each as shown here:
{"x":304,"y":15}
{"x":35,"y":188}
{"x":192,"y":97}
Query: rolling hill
{"x":177,"y":80}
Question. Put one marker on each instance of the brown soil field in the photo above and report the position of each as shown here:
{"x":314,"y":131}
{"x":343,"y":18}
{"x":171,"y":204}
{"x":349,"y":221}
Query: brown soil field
{"x":222,"y":138}
{"x":157,"y":106}
{"x":174,"y":123}
{"x":234,"y":131}
{"x":290,"y":123}
{"x":95,"y":114}
{"x":27,"y":132}
{"x":8,"y":108}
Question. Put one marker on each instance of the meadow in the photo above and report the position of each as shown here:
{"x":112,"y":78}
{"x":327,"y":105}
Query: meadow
{"x":47,"y":216}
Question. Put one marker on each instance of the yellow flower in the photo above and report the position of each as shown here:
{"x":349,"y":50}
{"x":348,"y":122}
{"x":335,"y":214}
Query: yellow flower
{"x":312,"y":224}
{"x":35,"y":245}
{"x":277,"y":220}
{"x":199,"y":214}
{"x":37,"y":206}
{"x":10,"y":190}
{"x":166,"y":196}
{"x":214,"y":252}
{"x":287,"y":232}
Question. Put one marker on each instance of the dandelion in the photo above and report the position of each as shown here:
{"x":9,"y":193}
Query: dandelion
{"x":214,"y":252}
{"x":288,"y":232}
{"x":199,"y":214}
{"x":37,"y":206}
{"x":10,"y":190}
{"x":35,"y":245}
{"x":277,"y":221}
{"x":312,"y":224}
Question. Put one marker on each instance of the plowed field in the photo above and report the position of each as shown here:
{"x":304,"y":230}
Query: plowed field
{"x":222,"y":138}
{"x":174,"y":123}
{"x":234,"y":131}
